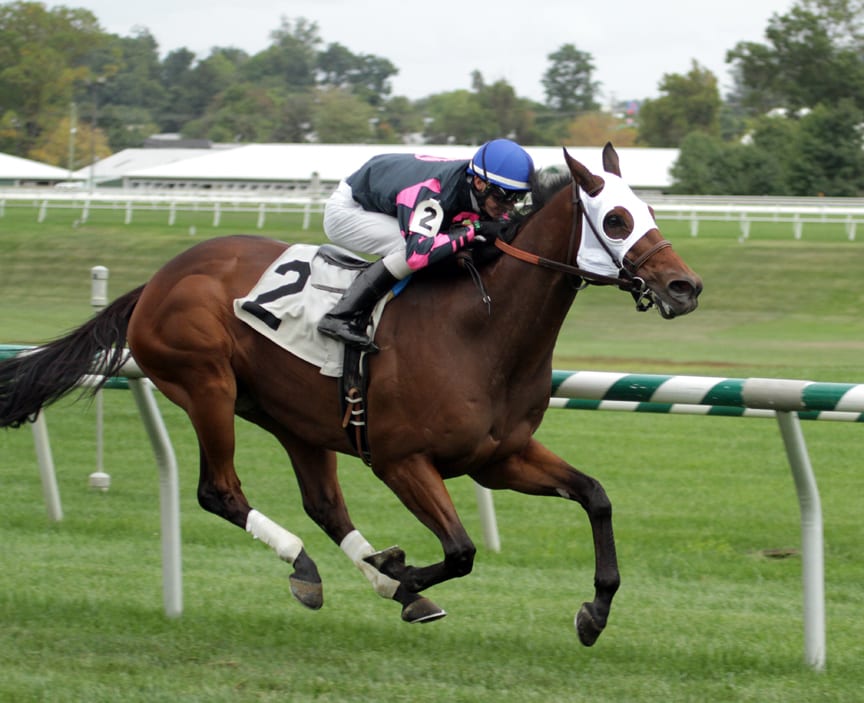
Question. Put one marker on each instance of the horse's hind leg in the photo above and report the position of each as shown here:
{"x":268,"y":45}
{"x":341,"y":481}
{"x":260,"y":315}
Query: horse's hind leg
{"x":316,"y":471}
{"x":537,"y":471}
{"x":219,"y":492}
{"x":205,"y":387}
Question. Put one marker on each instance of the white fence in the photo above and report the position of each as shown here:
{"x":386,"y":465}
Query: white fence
{"x":213,"y":203}
{"x":797,"y":212}
{"x":847,"y":213}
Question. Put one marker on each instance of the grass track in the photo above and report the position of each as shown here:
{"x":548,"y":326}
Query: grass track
{"x":701,"y":614}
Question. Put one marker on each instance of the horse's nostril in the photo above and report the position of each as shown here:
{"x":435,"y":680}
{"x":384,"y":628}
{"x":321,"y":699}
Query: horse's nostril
{"x":683,"y":288}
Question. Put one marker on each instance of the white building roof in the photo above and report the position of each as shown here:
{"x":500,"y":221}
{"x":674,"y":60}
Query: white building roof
{"x":14,"y":168}
{"x":119,"y":165}
{"x":643,"y":168}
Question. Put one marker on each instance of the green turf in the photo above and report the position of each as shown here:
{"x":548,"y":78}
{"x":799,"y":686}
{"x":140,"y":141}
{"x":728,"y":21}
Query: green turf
{"x":702,"y":614}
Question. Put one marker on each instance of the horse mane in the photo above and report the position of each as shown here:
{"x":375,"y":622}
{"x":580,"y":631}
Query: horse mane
{"x":545,"y":184}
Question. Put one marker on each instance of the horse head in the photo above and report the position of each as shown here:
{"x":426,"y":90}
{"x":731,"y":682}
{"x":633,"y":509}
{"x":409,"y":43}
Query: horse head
{"x":620,"y":238}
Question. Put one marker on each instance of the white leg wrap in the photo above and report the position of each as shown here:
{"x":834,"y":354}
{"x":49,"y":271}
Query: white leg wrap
{"x":356,"y":547}
{"x":286,"y":545}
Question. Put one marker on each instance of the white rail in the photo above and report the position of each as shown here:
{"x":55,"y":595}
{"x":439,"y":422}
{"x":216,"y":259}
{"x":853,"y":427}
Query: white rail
{"x":797,"y":212}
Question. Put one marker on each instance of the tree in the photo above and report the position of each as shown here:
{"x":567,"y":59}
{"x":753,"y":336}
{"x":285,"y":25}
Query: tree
{"x":289,"y":63}
{"x":706,"y":165}
{"x":178,"y":83}
{"x":11,"y":132}
{"x":511,"y":116}
{"x":399,"y":116}
{"x":567,"y":82}
{"x":245,"y":112}
{"x":212,"y":76}
{"x":335,"y":65}
{"x":370,"y":80}
{"x":43,"y":54}
{"x":136,"y":80}
{"x":340,"y":117}
{"x":597,"y":128}
{"x":829,"y":152}
{"x":127,"y":126}
{"x":701,"y":165}
{"x":54,"y":146}
{"x":458,"y":117}
{"x":813,"y":55}
{"x":688,"y":103}
{"x":820,"y":153}
{"x":365,"y":75}
{"x":294,"y":118}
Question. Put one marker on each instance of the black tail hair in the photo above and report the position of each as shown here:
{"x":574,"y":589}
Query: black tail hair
{"x":37,"y":378}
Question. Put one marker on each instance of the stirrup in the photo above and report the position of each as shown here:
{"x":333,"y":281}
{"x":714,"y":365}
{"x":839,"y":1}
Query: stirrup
{"x":341,"y":330}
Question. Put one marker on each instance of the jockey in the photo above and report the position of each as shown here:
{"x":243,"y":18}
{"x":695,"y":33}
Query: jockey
{"x":413,"y":211}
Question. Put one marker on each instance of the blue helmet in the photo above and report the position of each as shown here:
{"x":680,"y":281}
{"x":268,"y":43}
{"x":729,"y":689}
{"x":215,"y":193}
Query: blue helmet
{"x":504,"y":163}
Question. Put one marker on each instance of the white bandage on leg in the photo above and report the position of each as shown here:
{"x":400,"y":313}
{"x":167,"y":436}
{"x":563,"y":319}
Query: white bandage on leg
{"x":356,"y":547}
{"x":286,"y":545}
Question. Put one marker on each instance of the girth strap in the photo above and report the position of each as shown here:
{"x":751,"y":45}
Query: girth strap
{"x":353,"y":388}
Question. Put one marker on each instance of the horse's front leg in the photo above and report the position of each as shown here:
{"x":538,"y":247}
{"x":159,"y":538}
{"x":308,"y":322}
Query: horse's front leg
{"x":537,"y":471}
{"x":419,"y":486}
{"x":324,"y":502}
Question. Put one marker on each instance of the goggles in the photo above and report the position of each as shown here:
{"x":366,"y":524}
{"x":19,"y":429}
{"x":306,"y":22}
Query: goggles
{"x":505,"y":197}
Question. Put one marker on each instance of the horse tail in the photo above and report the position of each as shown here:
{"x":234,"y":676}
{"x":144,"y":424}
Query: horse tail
{"x":34,"y":379}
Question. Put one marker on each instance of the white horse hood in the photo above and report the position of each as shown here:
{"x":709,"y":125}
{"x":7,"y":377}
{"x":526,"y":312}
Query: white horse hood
{"x":595,"y":255}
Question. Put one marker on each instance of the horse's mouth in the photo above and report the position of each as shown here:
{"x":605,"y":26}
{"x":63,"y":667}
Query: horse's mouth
{"x":678,"y":297}
{"x":666,"y":312}
{"x":669,"y":311}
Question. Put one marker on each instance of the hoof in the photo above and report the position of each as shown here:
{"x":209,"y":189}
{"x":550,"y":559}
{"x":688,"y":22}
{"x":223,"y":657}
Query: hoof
{"x":309,"y":594}
{"x":587,"y":625}
{"x":422,"y":610}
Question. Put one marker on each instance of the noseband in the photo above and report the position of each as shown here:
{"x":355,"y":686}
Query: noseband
{"x":627,"y":279}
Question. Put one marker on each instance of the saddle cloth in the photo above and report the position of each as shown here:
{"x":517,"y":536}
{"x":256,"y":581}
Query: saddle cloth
{"x":292,"y":296}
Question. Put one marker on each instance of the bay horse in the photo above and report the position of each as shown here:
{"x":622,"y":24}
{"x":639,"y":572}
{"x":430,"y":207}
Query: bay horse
{"x":458,"y":385}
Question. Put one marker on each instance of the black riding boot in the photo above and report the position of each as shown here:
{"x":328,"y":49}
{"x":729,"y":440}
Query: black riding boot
{"x":349,"y":318}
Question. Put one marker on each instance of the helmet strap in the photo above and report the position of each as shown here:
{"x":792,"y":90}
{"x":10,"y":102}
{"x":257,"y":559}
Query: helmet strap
{"x":479,"y":195}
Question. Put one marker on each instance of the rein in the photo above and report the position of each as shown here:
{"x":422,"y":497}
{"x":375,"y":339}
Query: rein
{"x":627,"y":279}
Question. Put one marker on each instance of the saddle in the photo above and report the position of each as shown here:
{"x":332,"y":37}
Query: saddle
{"x":290,"y":298}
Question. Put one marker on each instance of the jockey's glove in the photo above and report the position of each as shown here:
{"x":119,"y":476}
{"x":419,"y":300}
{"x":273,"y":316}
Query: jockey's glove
{"x":489,"y":230}
{"x":461,"y":235}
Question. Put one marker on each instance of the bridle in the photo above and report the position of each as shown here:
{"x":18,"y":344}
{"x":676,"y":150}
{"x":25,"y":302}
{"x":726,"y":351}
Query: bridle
{"x":627,"y":279}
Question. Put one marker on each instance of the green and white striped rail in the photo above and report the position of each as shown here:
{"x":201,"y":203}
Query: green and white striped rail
{"x":7,"y":351}
{"x":707,"y":395}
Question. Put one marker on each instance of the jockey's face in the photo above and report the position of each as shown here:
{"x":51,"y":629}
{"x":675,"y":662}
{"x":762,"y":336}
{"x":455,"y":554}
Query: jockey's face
{"x":495,"y":201}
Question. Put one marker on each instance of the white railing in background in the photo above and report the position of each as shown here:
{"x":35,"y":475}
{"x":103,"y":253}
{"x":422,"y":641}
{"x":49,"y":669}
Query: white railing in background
{"x":171,"y":202}
{"x":744,"y":210}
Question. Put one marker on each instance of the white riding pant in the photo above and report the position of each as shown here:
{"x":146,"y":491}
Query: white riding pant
{"x":348,"y":225}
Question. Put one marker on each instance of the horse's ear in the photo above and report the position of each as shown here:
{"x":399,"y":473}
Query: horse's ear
{"x":590,"y":183}
{"x":610,"y":160}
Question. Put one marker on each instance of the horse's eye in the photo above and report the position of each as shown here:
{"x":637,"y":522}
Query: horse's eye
{"x":618,"y":224}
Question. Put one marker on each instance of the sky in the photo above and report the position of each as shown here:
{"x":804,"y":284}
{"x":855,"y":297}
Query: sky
{"x":437,"y":45}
